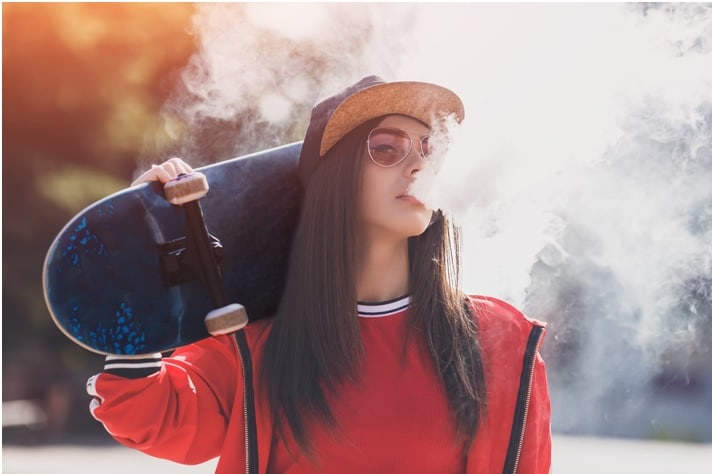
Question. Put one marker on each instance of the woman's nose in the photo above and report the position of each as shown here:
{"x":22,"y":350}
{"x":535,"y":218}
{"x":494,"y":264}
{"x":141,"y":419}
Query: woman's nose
{"x":414,"y":159}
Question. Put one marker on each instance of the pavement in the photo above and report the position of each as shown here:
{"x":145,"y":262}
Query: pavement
{"x":576,"y":455}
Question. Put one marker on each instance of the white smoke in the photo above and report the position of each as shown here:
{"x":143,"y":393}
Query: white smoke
{"x":586,"y":158}
{"x":561,"y":97}
{"x":582,"y":173}
{"x":264,"y":65}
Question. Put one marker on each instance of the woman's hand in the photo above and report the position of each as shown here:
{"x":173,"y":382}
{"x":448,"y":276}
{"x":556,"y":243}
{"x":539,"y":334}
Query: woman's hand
{"x":164,"y":172}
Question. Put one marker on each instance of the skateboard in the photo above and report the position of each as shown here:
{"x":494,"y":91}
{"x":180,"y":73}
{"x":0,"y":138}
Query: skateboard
{"x":152,"y":268}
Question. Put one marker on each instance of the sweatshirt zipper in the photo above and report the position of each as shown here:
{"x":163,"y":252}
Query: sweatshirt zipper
{"x":248,"y":412}
{"x":523,"y":399}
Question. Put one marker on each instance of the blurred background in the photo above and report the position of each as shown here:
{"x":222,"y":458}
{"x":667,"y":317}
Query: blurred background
{"x":82,"y":86}
{"x":593,"y":127}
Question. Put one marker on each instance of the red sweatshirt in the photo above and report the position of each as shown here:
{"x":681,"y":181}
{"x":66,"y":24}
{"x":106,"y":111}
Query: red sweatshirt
{"x":395,"y":419}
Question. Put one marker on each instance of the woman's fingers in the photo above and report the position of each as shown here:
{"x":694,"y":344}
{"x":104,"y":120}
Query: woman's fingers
{"x":179,"y":166}
{"x":156,"y":173}
{"x":164,"y":172}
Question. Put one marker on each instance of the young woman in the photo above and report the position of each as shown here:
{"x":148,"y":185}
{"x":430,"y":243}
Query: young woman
{"x":375,"y":361}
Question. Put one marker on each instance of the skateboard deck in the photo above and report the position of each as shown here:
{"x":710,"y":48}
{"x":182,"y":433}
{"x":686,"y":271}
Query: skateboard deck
{"x":111,"y":278}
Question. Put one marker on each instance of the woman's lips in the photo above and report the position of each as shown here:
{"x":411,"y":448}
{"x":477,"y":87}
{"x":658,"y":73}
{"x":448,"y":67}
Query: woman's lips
{"x":410,"y":199}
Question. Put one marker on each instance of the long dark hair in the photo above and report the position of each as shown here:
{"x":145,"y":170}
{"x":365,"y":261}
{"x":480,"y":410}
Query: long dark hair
{"x":315,"y":344}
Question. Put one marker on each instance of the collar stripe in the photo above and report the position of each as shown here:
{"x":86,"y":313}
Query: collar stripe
{"x":387,"y":308}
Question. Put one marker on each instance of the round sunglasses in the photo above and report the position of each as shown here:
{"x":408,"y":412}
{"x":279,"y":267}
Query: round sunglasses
{"x":389,"y":146}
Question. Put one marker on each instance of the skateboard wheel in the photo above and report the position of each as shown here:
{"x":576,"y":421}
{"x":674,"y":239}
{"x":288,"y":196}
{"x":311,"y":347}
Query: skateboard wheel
{"x":227,"y":319}
{"x":186,"y":188}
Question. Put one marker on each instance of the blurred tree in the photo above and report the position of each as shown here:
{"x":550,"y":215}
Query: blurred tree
{"x":82,"y":84}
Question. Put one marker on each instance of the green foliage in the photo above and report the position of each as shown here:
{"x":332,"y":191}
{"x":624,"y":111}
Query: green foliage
{"x":662,"y":433}
{"x":72,"y":188}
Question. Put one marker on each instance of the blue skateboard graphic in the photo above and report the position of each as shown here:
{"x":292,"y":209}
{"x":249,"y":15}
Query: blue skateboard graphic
{"x":123,"y":275}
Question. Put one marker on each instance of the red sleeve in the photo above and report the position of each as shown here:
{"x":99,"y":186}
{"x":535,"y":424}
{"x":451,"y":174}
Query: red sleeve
{"x":178,"y":413}
{"x":504,"y":335}
{"x":536,"y":450}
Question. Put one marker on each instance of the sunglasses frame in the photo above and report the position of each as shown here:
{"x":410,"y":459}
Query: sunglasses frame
{"x":400,"y":132}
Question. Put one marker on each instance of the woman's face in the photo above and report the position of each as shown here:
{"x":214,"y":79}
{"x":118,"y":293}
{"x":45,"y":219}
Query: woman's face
{"x":386,"y":207}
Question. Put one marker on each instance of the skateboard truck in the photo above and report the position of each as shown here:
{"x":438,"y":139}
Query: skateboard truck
{"x":176,"y":267}
{"x":200,"y":252}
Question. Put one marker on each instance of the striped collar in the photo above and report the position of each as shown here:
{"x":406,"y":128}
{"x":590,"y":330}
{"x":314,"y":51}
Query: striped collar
{"x":386,"y":308}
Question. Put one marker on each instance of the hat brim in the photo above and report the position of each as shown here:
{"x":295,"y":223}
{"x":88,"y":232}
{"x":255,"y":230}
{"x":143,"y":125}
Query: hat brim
{"x":421,"y":100}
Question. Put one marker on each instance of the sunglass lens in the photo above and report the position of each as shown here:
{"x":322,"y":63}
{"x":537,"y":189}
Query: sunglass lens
{"x":388,"y":146}
{"x":425,"y":148}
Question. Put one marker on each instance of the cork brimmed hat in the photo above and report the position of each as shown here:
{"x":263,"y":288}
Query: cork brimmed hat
{"x":371,"y":97}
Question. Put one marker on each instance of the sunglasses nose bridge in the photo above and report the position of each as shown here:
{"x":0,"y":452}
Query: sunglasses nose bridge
{"x":423,"y":154}
{"x":418,"y":150}
{"x":414,"y":164}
